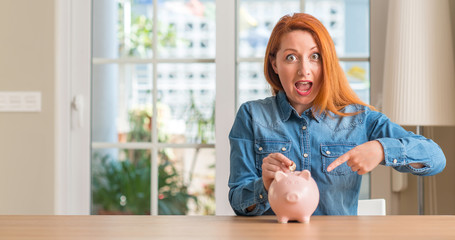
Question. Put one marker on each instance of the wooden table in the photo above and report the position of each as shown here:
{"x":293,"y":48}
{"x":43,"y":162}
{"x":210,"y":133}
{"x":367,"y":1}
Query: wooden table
{"x":226,"y":227}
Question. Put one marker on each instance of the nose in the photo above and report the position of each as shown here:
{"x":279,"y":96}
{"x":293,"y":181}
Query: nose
{"x":292,"y":197}
{"x":304,"y":68}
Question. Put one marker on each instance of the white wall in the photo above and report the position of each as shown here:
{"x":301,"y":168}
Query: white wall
{"x":27,"y":139}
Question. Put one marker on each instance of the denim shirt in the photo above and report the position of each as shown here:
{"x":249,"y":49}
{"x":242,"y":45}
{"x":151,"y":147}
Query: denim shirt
{"x":314,"y":141}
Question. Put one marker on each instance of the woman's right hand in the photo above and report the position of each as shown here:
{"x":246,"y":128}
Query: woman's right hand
{"x":271,"y":164}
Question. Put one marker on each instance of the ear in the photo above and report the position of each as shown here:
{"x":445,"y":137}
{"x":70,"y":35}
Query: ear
{"x":273,"y":62}
{"x":280,"y":175}
{"x":305,"y":174}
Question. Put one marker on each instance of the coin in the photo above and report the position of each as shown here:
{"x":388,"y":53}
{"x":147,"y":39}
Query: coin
{"x":292,"y":167}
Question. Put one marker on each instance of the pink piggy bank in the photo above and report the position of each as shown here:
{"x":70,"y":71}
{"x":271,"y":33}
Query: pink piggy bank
{"x":293,"y":196}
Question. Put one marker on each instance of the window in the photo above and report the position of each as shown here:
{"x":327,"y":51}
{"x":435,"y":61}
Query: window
{"x":157,"y":58}
{"x":153,"y":58}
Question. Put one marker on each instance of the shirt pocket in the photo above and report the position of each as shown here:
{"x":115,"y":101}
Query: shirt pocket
{"x":263,"y":148}
{"x":330,"y":152}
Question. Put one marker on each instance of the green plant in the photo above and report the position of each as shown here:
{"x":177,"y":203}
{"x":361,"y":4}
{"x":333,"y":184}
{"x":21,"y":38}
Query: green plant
{"x":173,"y":195}
{"x":121,"y":185}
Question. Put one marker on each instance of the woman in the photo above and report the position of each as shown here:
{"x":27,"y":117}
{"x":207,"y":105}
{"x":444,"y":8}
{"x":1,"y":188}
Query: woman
{"x":315,"y":121}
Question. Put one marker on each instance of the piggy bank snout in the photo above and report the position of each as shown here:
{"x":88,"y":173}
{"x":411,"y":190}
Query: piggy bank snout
{"x":293,"y":197}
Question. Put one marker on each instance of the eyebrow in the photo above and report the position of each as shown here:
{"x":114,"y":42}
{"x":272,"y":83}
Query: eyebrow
{"x":292,"y":49}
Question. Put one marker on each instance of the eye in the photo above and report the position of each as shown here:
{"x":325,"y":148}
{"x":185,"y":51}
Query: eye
{"x":291,"y":58}
{"x":315,"y":56}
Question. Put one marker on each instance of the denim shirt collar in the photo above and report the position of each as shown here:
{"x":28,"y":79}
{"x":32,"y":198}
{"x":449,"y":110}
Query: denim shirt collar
{"x":286,"y":109}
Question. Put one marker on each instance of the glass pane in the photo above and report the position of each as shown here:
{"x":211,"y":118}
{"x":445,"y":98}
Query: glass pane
{"x":256,"y":19}
{"x":121,"y":102}
{"x":252,"y":84}
{"x":120,"y":181}
{"x":105,"y":40}
{"x":348,"y":22}
{"x":358,"y":75}
{"x":186,"y":103}
{"x":186,"y":28}
{"x":123,"y":28}
{"x":186,"y":179}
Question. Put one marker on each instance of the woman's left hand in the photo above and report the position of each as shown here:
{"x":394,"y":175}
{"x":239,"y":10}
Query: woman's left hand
{"x":362,"y":159}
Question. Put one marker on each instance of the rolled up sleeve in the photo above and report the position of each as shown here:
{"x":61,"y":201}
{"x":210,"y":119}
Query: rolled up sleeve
{"x":401,"y":148}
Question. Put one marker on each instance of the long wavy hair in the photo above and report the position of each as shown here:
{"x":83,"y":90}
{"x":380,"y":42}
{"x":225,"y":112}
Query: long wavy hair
{"x":335,"y":92}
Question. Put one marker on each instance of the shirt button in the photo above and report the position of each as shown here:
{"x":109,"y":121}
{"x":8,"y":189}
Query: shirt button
{"x":283,"y":149}
{"x":260,"y":196}
{"x":395,"y":161}
{"x":304,"y":128}
{"x":328,"y":152}
{"x":305,"y":155}
{"x":260,"y":148}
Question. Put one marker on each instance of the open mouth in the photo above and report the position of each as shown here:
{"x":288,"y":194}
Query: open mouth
{"x":303,"y":87}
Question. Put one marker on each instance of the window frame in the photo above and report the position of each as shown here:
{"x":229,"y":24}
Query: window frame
{"x":154,"y":146}
{"x":72,"y":64}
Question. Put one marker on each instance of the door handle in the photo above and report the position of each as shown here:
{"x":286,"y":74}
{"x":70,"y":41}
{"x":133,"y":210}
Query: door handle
{"x":78,"y":106}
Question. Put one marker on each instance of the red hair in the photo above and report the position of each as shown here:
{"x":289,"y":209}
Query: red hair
{"x":335,"y":92}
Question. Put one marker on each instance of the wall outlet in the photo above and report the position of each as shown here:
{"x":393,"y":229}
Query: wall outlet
{"x":20,"y":101}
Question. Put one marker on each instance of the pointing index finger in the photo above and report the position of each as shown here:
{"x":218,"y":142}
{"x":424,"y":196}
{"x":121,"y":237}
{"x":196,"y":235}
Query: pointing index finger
{"x":340,"y":160}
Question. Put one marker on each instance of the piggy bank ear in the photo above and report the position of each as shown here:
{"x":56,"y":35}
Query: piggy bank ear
{"x":280,"y":175}
{"x":305,"y":174}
